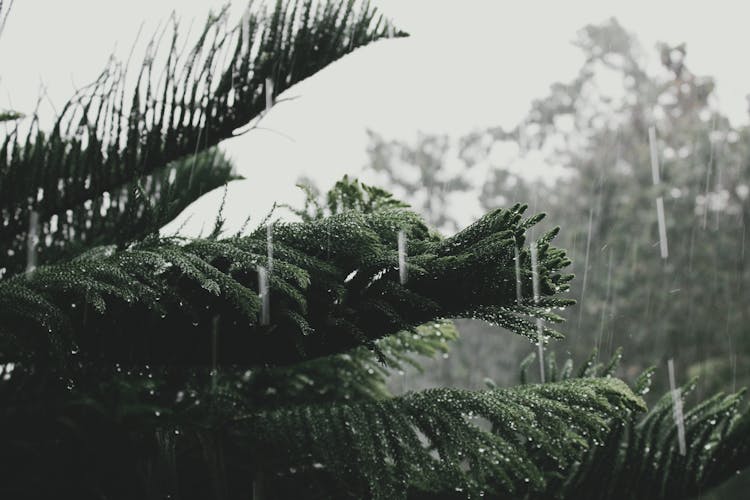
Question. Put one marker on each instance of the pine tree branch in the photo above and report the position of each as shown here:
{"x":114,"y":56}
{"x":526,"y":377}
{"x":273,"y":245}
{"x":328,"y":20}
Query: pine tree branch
{"x":351,"y":376}
{"x":154,"y":302}
{"x":434,"y":442}
{"x":495,"y":442}
{"x":127,"y":214}
{"x":100,"y":144}
{"x":640,"y":457}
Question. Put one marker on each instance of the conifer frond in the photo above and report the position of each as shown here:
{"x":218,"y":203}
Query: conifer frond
{"x":643,"y":460}
{"x":450,"y":442}
{"x":354,"y":375}
{"x":640,"y":456}
{"x":495,"y":442}
{"x":104,"y":139}
{"x":161,"y":288}
{"x":346,"y":194}
{"x":129,"y":213}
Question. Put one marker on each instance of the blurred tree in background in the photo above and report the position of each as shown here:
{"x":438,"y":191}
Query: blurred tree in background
{"x":592,"y":133}
{"x":416,"y":177}
{"x":691,"y":305}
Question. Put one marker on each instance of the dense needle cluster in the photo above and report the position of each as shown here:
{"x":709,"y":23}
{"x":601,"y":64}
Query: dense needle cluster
{"x":143,"y":303}
{"x":640,"y":457}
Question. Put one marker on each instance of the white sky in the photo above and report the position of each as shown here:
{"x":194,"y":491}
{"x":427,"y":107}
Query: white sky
{"x":468,"y":64}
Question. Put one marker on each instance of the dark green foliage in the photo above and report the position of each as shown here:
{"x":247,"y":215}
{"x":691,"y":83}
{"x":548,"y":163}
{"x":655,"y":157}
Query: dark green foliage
{"x":326,"y":426}
{"x":346,"y":194}
{"x":435,"y":441}
{"x":130,"y":213}
{"x":640,"y":457}
{"x":201,"y":433}
{"x":104,"y":141}
{"x":198,"y":100}
{"x":155,"y":301}
{"x":133,"y":433}
{"x":359,"y":373}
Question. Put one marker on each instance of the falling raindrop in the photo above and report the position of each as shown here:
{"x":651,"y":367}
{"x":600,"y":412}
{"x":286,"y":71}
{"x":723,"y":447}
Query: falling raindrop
{"x":659,"y":199}
{"x":269,"y":247}
{"x":519,"y":286}
{"x":677,"y":408}
{"x":662,"y":228}
{"x":606,"y":303}
{"x":32,"y":240}
{"x":269,"y":94}
{"x":402,"y":256}
{"x":585,"y":265}
{"x":708,"y":172}
{"x":246,"y":28}
{"x":264,"y":292}
{"x":539,"y":327}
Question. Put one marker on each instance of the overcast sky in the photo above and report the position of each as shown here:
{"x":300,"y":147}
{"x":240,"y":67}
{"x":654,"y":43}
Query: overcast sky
{"x":468,"y":64}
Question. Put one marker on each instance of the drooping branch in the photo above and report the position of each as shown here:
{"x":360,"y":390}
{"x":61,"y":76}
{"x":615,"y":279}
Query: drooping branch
{"x":335,"y":285}
{"x":110,"y":134}
{"x":640,"y":457}
{"x":441,"y":441}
